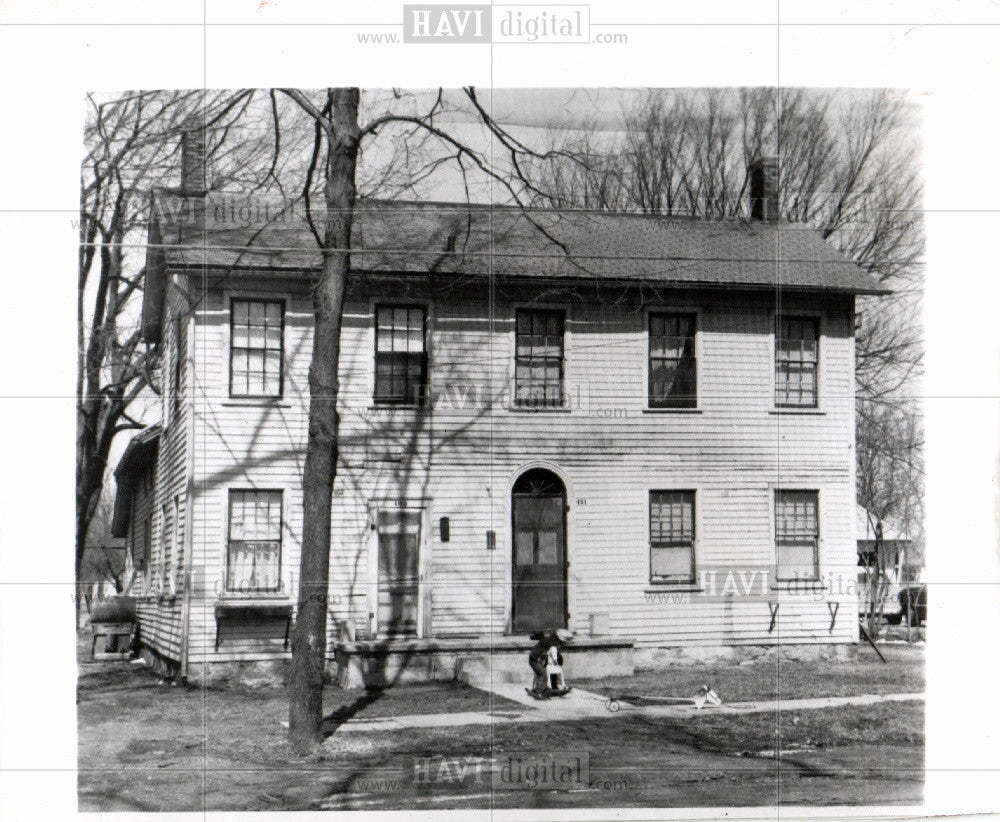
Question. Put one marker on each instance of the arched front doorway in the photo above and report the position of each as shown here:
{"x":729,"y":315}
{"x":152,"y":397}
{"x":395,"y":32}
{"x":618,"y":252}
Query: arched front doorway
{"x":538,"y":506}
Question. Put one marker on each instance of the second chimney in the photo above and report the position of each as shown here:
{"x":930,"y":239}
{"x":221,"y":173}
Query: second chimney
{"x":194,"y":154}
{"x":764,"y":188}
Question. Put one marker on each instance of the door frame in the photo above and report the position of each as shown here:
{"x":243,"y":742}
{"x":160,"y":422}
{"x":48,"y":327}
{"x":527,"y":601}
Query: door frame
{"x":567,"y":538}
{"x":416,"y":505}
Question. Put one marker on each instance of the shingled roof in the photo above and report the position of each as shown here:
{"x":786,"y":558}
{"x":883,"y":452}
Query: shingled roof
{"x":225,"y":231}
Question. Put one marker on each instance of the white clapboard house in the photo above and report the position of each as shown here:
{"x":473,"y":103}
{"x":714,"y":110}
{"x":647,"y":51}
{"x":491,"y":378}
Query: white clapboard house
{"x":639,"y":428}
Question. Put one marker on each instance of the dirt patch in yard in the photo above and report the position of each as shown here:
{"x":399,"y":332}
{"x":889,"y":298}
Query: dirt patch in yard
{"x":148,"y":746}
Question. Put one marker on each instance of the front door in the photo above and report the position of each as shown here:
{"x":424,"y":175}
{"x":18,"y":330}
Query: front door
{"x":398,"y":572}
{"x":539,"y":555}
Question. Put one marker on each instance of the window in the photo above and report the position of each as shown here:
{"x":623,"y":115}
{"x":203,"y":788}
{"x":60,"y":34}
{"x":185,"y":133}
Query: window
{"x":147,"y":538}
{"x":796,"y":360}
{"x":177,"y":371}
{"x":672,"y":363}
{"x":166,"y":549}
{"x":538,"y":359}
{"x":177,"y":570}
{"x":796,"y":535}
{"x":254,"y":562}
{"x":255,"y":356}
{"x":671,"y":536}
{"x":400,"y":354}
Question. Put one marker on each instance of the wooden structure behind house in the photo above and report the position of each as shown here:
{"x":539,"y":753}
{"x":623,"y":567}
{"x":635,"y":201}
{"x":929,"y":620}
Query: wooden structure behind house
{"x":134,"y":520}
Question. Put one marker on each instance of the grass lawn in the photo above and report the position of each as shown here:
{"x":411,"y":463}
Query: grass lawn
{"x":146,"y":746}
{"x":784,"y":679}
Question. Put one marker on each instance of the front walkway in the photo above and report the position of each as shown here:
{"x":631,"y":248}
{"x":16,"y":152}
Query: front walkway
{"x":578,"y":705}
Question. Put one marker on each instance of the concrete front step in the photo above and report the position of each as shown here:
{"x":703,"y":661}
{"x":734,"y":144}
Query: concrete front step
{"x":381,"y":663}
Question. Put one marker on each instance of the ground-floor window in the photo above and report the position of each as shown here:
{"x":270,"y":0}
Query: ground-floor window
{"x":796,"y":535}
{"x":166,"y":548}
{"x":671,"y":536}
{"x":141,"y":548}
{"x":254,"y":545}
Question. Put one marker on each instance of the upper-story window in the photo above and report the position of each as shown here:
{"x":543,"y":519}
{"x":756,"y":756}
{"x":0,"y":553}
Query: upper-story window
{"x":256,"y":350}
{"x":673,"y":381}
{"x":538,"y":358}
{"x":400,"y":354}
{"x":796,"y":535}
{"x":178,"y":353}
{"x":671,"y":536}
{"x":796,"y":362}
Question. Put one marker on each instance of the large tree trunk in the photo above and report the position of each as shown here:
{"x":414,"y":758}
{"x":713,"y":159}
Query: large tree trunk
{"x":309,"y":638}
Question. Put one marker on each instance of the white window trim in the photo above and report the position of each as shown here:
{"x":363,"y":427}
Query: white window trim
{"x":283,"y":594}
{"x":821,"y":393}
{"x":682,"y":585}
{"x":785,"y":584}
{"x":228,"y":295}
{"x":697,"y":312}
{"x":567,"y":371}
{"x":369,"y":347}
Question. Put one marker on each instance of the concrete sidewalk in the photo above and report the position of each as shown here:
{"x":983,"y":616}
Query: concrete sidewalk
{"x":578,"y":705}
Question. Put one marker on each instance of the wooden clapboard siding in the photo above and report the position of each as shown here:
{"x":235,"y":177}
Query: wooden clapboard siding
{"x":160,"y":625}
{"x":160,"y":608}
{"x":461,"y":460}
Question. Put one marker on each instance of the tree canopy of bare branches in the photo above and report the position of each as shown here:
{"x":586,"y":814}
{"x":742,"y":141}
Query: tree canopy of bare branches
{"x":846,"y":167}
{"x":130,"y":147}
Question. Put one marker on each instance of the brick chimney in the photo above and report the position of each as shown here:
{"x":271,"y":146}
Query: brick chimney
{"x":194,"y":153}
{"x":764,"y":188}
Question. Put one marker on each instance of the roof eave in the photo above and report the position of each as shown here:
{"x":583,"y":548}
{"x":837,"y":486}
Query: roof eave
{"x":875,"y":289}
{"x":141,"y":453}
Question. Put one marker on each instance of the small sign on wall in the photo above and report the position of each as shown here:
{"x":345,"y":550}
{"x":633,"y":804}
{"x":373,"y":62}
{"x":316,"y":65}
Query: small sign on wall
{"x":491,"y":540}
{"x":445,"y":529}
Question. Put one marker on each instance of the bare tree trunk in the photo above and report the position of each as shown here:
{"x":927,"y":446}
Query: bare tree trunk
{"x":89,"y":477}
{"x":309,"y":638}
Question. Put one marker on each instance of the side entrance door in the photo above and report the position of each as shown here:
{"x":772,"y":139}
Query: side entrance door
{"x":539,"y":552}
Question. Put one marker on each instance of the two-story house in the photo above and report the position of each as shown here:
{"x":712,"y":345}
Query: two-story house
{"x":640,"y":428}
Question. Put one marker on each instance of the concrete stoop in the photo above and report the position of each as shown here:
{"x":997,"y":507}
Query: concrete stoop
{"x":380,"y":663}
